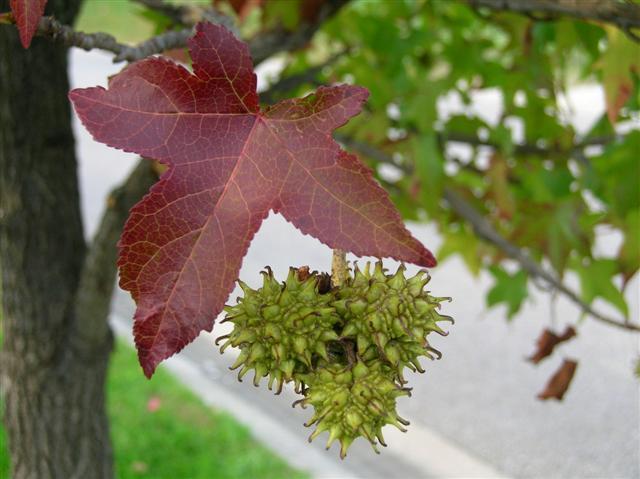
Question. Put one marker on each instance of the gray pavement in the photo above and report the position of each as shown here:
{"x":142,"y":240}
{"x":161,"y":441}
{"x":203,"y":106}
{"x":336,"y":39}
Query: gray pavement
{"x":474,"y":413}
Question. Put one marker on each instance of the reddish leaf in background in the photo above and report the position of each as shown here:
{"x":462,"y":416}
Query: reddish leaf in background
{"x":241,"y":7}
{"x":557,"y":386}
{"x":547,"y":342}
{"x":308,"y":9}
{"x":229,"y":165}
{"x":27,"y":14}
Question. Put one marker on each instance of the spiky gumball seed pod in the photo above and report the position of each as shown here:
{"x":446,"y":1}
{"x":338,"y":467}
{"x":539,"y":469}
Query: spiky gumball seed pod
{"x":392,"y":314}
{"x":353,"y":401}
{"x":344,"y":348}
{"x":281,"y":328}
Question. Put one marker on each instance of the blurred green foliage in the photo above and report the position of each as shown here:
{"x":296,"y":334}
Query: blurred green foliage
{"x":547,"y":182}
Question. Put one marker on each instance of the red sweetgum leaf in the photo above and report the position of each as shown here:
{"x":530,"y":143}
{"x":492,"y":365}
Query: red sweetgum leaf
{"x":26,"y":14}
{"x":547,"y":342}
{"x":229,"y":164}
{"x":560,"y":381}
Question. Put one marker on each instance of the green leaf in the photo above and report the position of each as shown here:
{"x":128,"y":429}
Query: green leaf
{"x":629,"y":254}
{"x":408,"y":205}
{"x":429,"y":167}
{"x":502,"y":136}
{"x":601,"y":128}
{"x":464,"y":243}
{"x":510,"y":289}
{"x":620,"y":58}
{"x":563,"y":237}
{"x":420,"y":108}
{"x":283,"y":13}
{"x":547,"y":186}
{"x":498,"y":176}
{"x":617,"y":175}
{"x":463,"y":124}
{"x":596,"y":282}
{"x":590,"y":35}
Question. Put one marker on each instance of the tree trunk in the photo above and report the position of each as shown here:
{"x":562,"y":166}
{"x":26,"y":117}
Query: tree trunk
{"x":52,"y":374}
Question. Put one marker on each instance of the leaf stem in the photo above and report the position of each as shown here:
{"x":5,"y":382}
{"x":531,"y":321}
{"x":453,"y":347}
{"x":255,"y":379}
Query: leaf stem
{"x":339,"y":268}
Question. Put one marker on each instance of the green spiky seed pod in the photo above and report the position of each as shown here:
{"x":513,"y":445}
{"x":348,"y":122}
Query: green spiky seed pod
{"x":353,"y":401}
{"x":344,"y":348}
{"x":281,"y":328}
{"x":391,"y":314}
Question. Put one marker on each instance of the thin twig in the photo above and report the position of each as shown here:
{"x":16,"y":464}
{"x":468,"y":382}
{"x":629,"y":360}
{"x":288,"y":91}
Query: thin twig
{"x":449,"y":137}
{"x":486,"y":231}
{"x":526,"y":148}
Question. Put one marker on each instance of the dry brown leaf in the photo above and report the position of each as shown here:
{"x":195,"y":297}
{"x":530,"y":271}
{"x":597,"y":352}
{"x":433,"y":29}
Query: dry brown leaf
{"x":560,"y":381}
{"x":547,"y":341}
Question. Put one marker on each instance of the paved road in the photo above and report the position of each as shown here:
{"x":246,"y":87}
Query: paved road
{"x":481,"y":395}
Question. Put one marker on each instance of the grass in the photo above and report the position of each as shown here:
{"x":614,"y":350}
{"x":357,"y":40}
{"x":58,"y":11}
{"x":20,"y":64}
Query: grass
{"x":182,"y":439}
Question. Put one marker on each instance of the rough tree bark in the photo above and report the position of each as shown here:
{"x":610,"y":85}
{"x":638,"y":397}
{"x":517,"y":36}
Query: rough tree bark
{"x":53,"y":372}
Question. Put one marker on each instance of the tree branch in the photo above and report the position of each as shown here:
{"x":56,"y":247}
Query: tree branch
{"x":625,"y":15}
{"x":486,"y":231}
{"x":444,"y":137}
{"x":262,"y":46}
{"x":526,"y":148}
{"x":52,"y":29}
{"x":99,"y":270}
